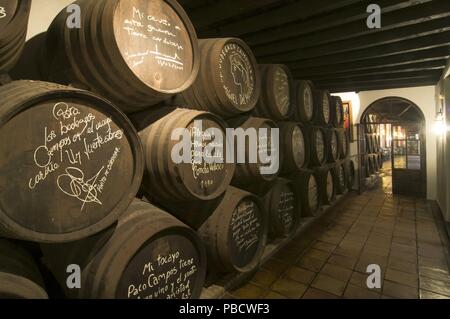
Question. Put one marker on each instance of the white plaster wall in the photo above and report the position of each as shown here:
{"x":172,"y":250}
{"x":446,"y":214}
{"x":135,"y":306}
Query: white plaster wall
{"x":42,"y":14}
{"x":425,"y":99}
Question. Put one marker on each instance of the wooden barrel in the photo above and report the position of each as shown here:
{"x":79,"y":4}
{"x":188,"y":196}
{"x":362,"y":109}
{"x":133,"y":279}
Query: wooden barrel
{"x":318,"y":150}
{"x":372,"y":164}
{"x":332,"y":145}
{"x":337,"y":112}
{"x":366,"y":166}
{"x":369,"y":144}
{"x":20,"y":277}
{"x":380,"y":160}
{"x":304,"y":108}
{"x":13,"y":25}
{"x":326,"y":186}
{"x":351,"y":174}
{"x":343,"y":143}
{"x":228,"y":83}
{"x":294,"y":146}
{"x":305,"y":184}
{"x":135,"y":52}
{"x":277,"y":93}
{"x":148,"y":255}
{"x":284,"y":209}
{"x":70,"y":162}
{"x":236,"y":233}
{"x":322,"y":107}
{"x":340,"y":175}
{"x":251,"y":173}
{"x":170,"y":179}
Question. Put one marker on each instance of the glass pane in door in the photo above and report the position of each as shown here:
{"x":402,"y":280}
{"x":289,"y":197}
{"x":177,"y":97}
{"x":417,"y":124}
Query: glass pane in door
{"x":399,"y":153}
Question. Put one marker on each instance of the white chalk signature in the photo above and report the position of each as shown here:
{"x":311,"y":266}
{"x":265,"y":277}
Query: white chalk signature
{"x":73,"y":184}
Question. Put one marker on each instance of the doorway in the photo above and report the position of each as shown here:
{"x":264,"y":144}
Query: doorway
{"x":398,"y":127}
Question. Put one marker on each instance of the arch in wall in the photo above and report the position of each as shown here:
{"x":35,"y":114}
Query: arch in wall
{"x":394,"y":109}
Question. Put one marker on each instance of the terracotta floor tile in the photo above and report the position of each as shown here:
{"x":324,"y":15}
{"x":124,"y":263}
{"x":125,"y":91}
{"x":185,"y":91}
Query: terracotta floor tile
{"x":441,"y":287}
{"x":289,"y":288}
{"x":336,"y":272}
{"x":346,"y":262}
{"x":403,"y":278}
{"x":355,"y":292}
{"x":330,"y":285}
{"x":301,"y":275}
{"x":431,"y":295}
{"x":265,"y":278}
{"x":313,"y":293}
{"x":249,"y":291}
{"x":274,"y":295}
{"x":320,"y":245}
{"x":311,"y":264}
{"x":316,"y":254}
{"x":396,"y":290}
{"x":401,"y":265}
{"x":276,"y":266}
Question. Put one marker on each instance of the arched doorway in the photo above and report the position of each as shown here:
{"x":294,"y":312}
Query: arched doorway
{"x":397,"y":126}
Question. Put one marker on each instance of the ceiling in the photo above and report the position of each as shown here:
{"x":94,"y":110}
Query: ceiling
{"x":328,"y":41}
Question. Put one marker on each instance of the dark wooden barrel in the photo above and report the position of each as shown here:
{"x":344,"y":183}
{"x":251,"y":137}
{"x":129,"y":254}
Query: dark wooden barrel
{"x":13,"y":29}
{"x":169,"y":179}
{"x":277,"y":93}
{"x":284,"y":209}
{"x":304,"y":102}
{"x":135,"y":52}
{"x":294,"y":146}
{"x":340,"y":175}
{"x":332,"y":145}
{"x":380,"y":160}
{"x":344,"y":143}
{"x":367,"y":169}
{"x":326,"y":185}
{"x":318,"y":149}
{"x":372,"y":164}
{"x":351,"y":174}
{"x":236,"y":233}
{"x":228,"y":83}
{"x":70,"y":162}
{"x":305,"y":184}
{"x":20,"y":277}
{"x":251,"y":173}
{"x":149,"y":254}
{"x":337,"y":112}
{"x":322,"y":107}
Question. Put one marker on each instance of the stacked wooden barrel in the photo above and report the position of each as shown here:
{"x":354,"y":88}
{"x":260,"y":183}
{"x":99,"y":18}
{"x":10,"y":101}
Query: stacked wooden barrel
{"x":13,"y":29}
{"x":373,"y":159}
{"x":151,"y":161}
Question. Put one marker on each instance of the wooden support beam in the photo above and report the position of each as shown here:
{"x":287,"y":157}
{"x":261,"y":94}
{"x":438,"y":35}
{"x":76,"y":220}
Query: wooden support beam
{"x":380,"y":78}
{"x":386,"y":50}
{"x":398,"y":60}
{"x":355,"y":87}
{"x":226,"y":9}
{"x":419,"y":66}
{"x":332,"y":20}
{"x":294,"y":11}
{"x":284,"y":49}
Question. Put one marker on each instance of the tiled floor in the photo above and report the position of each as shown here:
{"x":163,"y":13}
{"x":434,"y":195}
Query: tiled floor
{"x":399,"y":234}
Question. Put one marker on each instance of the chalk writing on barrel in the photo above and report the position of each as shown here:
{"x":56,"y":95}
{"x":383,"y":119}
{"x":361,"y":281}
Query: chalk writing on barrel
{"x":2,"y":12}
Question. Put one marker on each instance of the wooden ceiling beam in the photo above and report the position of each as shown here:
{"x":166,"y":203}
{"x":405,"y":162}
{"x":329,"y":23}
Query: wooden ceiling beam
{"x":296,"y":47}
{"x":386,"y":50}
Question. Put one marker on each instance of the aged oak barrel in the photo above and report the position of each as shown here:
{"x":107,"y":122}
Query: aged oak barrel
{"x":20,"y":277}
{"x":304,"y":102}
{"x":351,"y":174}
{"x":13,"y":28}
{"x":332,"y":145}
{"x":322,"y":107}
{"x":343,"y":143}
{"x":149,"y":254}
{"x":136,"y":53}
{"x":340,"y":175}
{"x":236,"y":233}
{"x":294,"y":146}
{"x":169,"y":179}
{"x":284,"y":209}
{"x":305,"y":184}
{"x":70,"y":162}
{"x":326,"y":185}
{"x":369,"y":144}
{"x":277,"y":93}
{"x":337,"y":112}
{"x":318,"y":149}
{"x":380,"y":160}
{"x":228,"y":83}
{"x":250,"y":167}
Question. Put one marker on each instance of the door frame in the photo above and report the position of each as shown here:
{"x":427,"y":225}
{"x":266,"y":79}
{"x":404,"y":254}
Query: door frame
{"x":423,"y":154}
